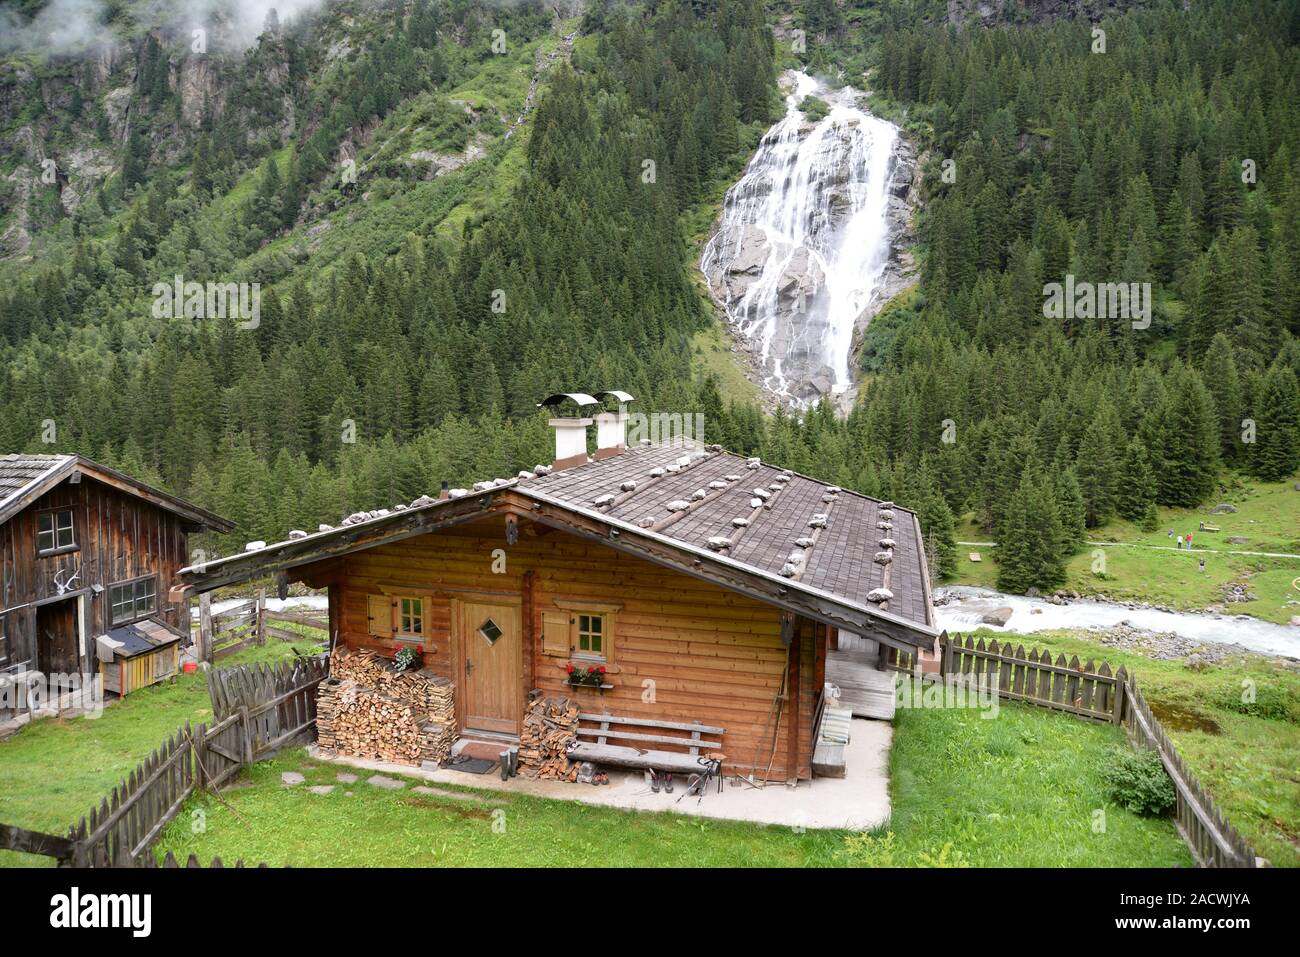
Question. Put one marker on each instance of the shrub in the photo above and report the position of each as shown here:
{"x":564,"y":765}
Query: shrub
{"x":814,"y":108}
{"x":1259,"y":699}
{"x":1137,"y":780}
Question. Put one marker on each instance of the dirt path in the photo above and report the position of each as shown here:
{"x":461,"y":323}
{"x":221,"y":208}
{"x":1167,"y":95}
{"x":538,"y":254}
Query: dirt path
{"x":1169,"y":548}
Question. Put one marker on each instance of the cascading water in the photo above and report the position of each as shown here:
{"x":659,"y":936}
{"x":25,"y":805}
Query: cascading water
{"x":804,"y":241}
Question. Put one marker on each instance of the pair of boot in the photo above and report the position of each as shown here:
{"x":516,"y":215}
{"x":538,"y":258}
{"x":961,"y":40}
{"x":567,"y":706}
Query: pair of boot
{"x":660,"y":781}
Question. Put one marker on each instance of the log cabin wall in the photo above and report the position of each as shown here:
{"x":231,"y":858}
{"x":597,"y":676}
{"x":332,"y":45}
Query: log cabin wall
{"x":119,"y":537}
{"x":712,"y":655}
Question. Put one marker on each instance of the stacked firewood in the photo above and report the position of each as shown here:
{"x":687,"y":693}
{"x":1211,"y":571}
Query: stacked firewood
{"x":368,"y":710}
{"x":550,"y":727}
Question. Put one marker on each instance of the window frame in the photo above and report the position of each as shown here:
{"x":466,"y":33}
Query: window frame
{"x":54,"y":513}
{"x":136,"y":615}
{"x":607,"y":613}
{"x":400,"y":616}
{"x":594,"y":633}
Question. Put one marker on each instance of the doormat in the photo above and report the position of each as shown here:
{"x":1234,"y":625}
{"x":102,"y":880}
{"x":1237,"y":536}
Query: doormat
{"x":470,"y":765}
{"x":489,"y":751}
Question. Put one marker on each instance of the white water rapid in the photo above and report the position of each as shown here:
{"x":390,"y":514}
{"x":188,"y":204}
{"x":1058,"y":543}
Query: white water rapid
{"x":965,"y":606}
{"x":804,"y":240}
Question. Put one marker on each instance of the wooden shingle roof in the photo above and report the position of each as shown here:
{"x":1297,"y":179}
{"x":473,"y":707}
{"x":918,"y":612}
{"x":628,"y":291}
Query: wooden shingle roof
{"x":25,"y":477}
{"x":805,"y":546}
{"x":841,"y":560}
{"x":20,"y":472}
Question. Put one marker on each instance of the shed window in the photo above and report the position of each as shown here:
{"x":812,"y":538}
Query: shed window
{"x":134,"y":599}
{"x":55,"y":530}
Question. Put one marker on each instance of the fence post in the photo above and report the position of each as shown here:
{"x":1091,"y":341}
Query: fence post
{"x":1117,"y":716}
{"x":261,"y":616}
{"x":247,"y":725}
{"x":205,"y":627}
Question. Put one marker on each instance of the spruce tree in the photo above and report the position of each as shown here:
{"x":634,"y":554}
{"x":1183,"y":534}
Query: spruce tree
{"x":1098,"y":464}
{"x":1072,"y":509}
{"x":1137,"y":486}
{"x":1275,"y":453}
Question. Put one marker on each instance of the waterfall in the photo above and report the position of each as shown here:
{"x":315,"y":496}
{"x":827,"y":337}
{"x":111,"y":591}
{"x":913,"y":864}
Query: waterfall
{"x":804,"y":240}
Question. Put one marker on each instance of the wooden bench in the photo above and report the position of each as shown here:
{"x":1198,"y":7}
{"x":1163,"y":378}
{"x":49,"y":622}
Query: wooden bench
{"x":609,"y":726}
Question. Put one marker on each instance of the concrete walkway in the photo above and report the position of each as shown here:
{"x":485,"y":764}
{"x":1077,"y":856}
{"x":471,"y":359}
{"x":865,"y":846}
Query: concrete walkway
{"x":858,"y":801}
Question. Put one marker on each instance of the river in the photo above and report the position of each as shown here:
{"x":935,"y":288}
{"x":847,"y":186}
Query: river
{"x":968,"y":604}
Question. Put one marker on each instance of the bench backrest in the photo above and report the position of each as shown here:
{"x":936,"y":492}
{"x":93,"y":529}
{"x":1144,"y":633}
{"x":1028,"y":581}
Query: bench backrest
{"x":621,"y":729}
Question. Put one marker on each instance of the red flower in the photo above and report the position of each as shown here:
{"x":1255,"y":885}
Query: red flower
{"x":602,"y":669}
{"x":569,"y":667}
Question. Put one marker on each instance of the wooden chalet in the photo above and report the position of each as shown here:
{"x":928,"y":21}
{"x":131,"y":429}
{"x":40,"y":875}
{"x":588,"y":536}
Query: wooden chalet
{"x":87,"y":555}
{"x":706,"y":584}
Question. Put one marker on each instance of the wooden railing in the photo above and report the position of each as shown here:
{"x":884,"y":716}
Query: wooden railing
{"x":1095,"y":693}
{"x":224,"y":633}
{"x":250,"y":623}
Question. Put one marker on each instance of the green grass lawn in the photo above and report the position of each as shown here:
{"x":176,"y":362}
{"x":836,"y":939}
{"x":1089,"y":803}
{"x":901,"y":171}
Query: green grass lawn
{"x":1018,"y":790}
{"x":1245,"y":752}
{"x":53,"y":771}
{"x":1144,"y":566}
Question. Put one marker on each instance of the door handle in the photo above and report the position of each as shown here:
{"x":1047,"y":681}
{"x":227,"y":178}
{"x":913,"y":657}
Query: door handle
{"x":469,"y":665}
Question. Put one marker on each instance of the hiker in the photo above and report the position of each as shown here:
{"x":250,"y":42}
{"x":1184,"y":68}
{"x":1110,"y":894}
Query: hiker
{"x":1202,"y":564}
{"x":1180,"y":541}
{"x":1189,"y":539}
{"x":1171,"y":533}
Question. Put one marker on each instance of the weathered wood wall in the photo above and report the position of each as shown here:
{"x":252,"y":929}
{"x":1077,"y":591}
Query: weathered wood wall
{"x":706,"y":654}
{"x":119,"y":537}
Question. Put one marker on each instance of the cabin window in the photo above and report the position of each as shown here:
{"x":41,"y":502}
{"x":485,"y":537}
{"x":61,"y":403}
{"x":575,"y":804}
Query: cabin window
{"x":591,"y":635}
{"x":54,"y":532}
{"x":133,"y":600}
{"x":586,"y":629}
{"x":410,"y":614}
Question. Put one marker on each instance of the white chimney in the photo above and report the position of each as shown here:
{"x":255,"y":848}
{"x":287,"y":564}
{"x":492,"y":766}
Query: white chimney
{"x":611,"y":427}
{"x":570,"y":431}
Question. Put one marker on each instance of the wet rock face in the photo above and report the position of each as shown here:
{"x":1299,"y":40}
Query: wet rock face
{"x":811,"y":242}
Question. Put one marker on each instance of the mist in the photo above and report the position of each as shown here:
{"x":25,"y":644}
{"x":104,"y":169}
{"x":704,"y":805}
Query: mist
{"x":72,"y":26}
{"x":61,"y":26}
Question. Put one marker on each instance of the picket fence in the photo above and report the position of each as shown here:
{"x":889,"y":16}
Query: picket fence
{"x":258,"y":710}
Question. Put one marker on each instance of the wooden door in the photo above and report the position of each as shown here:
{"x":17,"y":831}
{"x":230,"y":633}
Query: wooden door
{"x":491,"y":666}
{"x":56,"y":638}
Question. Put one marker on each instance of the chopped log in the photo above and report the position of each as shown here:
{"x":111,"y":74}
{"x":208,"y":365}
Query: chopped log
{"x":367,"y":709}
{"x":549,"y":730}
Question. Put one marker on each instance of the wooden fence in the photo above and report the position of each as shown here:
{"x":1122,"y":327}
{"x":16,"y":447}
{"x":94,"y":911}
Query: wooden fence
{"x":249,"y":623}
{"x":1095,"y":693}
{"x":258,"y":711}
{"x":1202,"y":824}
{"x":1085,"y":690}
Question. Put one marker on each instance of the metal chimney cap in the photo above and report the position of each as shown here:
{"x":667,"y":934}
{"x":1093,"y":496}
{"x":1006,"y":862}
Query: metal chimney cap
{"x":622,"y":397}
{"x":579,"y":398}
